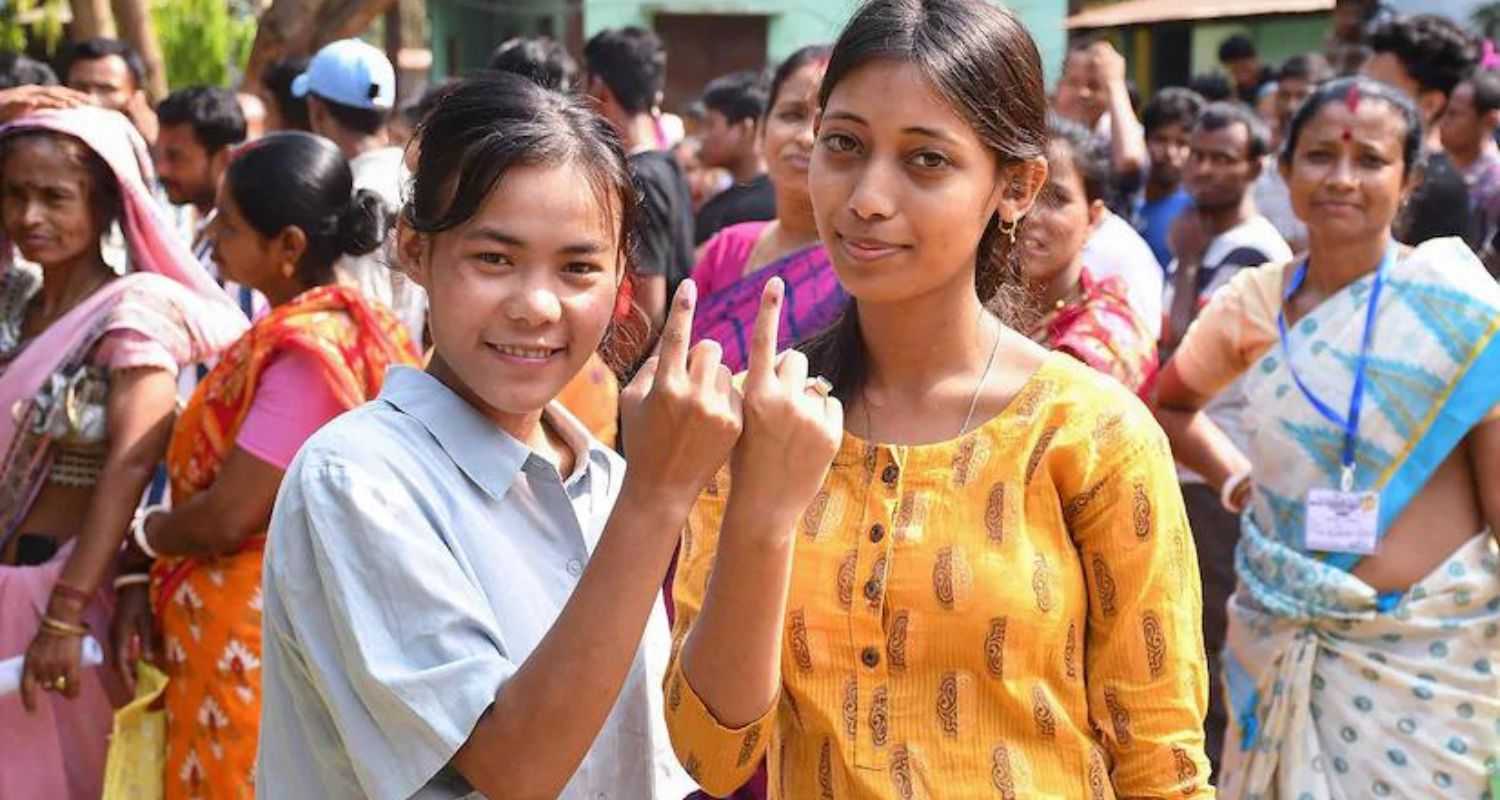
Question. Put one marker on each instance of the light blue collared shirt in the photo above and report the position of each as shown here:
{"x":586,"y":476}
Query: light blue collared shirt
{"x":417,"y":555}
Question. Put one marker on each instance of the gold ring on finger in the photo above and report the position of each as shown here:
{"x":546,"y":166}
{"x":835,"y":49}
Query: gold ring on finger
{"x":61,"y":684}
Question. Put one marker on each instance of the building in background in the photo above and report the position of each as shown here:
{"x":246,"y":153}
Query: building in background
{"x":1169,"y":41}
{"x":706,"y":38}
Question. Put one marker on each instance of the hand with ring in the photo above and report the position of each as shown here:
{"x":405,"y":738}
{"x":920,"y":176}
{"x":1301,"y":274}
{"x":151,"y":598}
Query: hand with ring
{"x":793,"y":423}
{"x":52,"y":665}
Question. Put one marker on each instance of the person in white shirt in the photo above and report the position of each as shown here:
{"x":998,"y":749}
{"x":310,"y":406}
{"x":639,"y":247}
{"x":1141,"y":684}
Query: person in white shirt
{"x":1115,"y":249}
{"x":350,"y":88}
{"x":1222,"y":235}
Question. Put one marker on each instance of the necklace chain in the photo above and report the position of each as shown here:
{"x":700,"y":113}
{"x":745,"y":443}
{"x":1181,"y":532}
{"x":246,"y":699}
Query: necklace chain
{"x":973,"y":400}
{"x":979,"y":387}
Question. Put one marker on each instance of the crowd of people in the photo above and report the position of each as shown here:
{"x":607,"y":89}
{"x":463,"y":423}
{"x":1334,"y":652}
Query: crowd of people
{"x":982,"y":441}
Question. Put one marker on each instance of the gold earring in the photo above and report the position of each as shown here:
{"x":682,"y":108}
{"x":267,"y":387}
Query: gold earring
{"x":1008,"y":228}
{"x":289,"y":269}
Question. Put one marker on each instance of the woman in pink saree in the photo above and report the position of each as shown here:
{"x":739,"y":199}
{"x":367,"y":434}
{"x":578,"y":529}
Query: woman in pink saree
{"x":736,"y":264}
{"x":88,"y":363}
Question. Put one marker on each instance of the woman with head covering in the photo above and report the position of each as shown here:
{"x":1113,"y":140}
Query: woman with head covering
{"x":88,"y":363}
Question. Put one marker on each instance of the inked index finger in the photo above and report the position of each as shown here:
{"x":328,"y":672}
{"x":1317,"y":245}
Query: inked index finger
{"x":762,"y":361}
{"x":672,"y":355}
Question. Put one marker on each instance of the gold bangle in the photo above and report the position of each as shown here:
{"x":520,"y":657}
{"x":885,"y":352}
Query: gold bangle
{"x":57,"y":626}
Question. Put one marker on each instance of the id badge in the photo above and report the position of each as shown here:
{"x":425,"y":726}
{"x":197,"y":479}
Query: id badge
{"x":1342,"y":522}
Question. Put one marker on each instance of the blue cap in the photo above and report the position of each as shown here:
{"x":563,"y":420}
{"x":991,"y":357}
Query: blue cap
{"x":351,"y":73}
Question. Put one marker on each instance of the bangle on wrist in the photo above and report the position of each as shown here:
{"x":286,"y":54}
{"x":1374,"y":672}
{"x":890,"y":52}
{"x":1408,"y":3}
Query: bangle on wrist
{"x":138,"y":530}
{"x":57,"y":627}
{"x":1232,"y":487}
{"x":73,"y":593}
{"x":133,"y":579}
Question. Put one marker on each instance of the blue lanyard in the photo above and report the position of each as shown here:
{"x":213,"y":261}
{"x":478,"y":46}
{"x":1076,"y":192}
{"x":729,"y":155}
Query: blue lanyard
{"x":1350,"y":423}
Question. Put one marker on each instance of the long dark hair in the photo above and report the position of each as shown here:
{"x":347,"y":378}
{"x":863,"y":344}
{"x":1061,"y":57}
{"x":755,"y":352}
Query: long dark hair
{"x":982,"y":60}
{"x":297,"y":179}
{"x":486,"y":125}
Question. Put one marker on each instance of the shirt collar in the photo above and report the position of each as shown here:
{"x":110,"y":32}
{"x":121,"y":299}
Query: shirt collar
{"x":490,"y":457}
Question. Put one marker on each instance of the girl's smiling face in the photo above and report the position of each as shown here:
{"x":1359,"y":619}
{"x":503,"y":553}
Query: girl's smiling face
{"x":522,"y":293}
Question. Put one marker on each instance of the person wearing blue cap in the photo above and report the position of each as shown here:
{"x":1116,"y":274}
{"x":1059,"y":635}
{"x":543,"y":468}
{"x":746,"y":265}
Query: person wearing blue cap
{"x":350,"y":88}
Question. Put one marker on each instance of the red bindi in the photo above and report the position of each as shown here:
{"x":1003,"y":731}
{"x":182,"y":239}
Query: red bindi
{"x":1348,"y":135}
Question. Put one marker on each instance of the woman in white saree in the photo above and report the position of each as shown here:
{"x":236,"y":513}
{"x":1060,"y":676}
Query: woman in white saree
{"x":1363,"y":654}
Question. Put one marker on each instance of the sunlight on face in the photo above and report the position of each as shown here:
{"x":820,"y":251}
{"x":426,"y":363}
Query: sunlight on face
{"x":902,"y":186}
{"x":523,"y":292}
{"x":1348,"y":176}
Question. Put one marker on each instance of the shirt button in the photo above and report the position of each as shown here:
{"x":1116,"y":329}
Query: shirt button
{"x":890,"y":475}
{"x":575,"y":567}
{"x":870,"y":657}
{"x":877,"y":533}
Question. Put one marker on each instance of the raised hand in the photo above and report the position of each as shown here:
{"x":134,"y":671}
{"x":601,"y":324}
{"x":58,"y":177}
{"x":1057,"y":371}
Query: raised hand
{"x":22,"y":100}
{"x":792,"y":430}
{"x":1108,"y":61}
{"x":681,"y":415}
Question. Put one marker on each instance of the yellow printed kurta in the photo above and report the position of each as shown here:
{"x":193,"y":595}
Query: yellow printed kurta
{"x":1013,"y":614}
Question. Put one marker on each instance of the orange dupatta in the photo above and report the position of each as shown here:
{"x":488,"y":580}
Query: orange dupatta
{"x":354,"y":359}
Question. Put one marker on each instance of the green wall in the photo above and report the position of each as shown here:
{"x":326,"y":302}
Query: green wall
{"x":477,"y":27}
{"x":1277,"y":38}
{"x":795,"y":23}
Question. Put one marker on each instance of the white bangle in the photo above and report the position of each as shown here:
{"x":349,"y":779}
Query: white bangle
{"x":1232,"y":485}
{"x":138,"y":529}
{"x":133,"y":579}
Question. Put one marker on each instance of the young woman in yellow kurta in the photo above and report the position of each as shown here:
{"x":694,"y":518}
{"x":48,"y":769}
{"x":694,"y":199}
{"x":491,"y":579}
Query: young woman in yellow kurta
{"x":991,"y":592}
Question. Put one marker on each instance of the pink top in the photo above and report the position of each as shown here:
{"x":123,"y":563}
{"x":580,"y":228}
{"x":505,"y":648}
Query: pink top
{"x":131,"y":349}
{"x":292,"y":401}
{"x":724,"y":257}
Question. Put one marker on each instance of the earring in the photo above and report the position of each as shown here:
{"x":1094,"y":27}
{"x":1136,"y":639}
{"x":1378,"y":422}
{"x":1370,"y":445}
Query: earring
{"x":1008,"y":228}
{"x":289,"y":269}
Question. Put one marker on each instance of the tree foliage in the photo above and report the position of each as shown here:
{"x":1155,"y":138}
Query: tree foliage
{"x":20,"y":20}
{"x":203,"y":42}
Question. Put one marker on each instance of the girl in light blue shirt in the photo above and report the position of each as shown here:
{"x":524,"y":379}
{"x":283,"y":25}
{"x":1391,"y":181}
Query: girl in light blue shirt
{"x":461,"y":584}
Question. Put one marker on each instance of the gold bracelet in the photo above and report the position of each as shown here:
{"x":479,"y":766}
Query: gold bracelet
{"x":52,"y":624}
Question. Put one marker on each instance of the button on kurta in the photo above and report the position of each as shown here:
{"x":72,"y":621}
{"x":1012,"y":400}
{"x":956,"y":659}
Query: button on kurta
{"x":872,"y":590}
{"x":890,"y":474}
{"x":870,"y":657}
{"x":877,"y":532}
